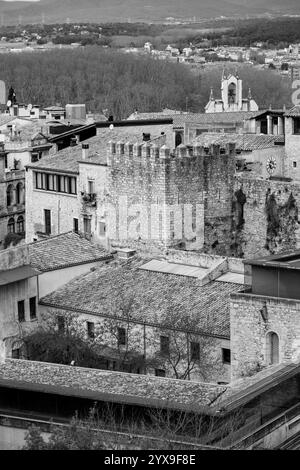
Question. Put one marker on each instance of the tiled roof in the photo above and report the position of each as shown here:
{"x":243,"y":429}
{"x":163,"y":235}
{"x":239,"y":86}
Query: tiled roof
{"x":67,"y":159}
{"x":294,"y":112}
{"x":179,"y":119}
{"x":5,"y":119}
{"x":242,"y":141}
{"x":96,"y":384}
{"x":203,"y":309}
{"x":213,"y":118}
{"x":64,"y":250}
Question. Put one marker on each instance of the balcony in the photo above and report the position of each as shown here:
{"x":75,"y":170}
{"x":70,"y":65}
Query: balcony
{"x":89,"y":199}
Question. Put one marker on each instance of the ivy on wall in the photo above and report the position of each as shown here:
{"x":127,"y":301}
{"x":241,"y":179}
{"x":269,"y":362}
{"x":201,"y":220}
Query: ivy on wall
{"x":282,"y":222}
{"x":238,"y":222}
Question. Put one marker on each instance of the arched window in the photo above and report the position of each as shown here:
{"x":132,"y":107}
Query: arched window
{"x":232,"y":93}
{"x":11,"y":225}
{"x":272,"y":348}
{"x":178,"y":139}
{"x":20,"y":193}
{"x":20,"y":224}
{"x":10,"y":195}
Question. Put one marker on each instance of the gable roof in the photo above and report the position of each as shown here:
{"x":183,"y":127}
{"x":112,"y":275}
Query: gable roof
{"x":65,"y":250}
{"x":203,"y":309}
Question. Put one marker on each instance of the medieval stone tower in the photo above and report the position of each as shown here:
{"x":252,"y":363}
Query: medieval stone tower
{"x":163,"y":197}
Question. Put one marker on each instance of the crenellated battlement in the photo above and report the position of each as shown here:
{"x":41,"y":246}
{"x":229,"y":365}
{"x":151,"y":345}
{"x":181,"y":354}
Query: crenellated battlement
{"x":152,"y":152}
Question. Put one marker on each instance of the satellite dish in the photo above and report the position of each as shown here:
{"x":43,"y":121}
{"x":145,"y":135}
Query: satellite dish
{"x":9,"y":104}
{"x":29,"y":107}
{"x":111,"y":127}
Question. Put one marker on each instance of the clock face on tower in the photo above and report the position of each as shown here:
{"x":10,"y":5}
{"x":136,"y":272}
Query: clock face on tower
{"x":271,"y":165}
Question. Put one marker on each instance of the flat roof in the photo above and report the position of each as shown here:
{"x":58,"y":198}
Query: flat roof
{"x":17,"y":274}
{"x":288,"y":260}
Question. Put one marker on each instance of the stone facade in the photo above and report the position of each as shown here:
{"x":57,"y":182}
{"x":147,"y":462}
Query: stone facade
{"x":292,"y":145}
{"x":182,"y":196}
{"x":249,"y":331}
{"x":12,"y":199}
{"x":144,"y":340}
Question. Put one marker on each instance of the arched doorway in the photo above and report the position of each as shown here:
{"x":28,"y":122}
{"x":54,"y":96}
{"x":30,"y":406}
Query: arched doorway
{"x":272,"y":348}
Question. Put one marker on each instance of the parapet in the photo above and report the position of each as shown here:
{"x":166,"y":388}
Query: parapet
{"x":147,"y":152}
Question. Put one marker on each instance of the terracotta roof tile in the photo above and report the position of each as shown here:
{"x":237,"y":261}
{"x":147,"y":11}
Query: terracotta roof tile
{"x":102,"y":291}
{"x":242,"y":141}
{"x":64,"y":250}
{"x":108,"y":385}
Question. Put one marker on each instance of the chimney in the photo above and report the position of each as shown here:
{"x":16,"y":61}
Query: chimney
{"x":85,"y":151}
{"x":146,"y":137}
{"x":125,"y":253}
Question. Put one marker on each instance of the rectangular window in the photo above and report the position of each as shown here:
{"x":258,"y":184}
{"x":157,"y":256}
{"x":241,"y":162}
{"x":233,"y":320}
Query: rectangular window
{"x":90,"y":329}
{"x":47,"y":217}
{"x":297,"y":126}
{"x":75,"y":225}
{"x":51,"y":182}
{"x":73,"y":185}
{"x":32,"y":308}
{"x":102,"y":229}
{"x":160,"y":372}
{"x":226,"y":356}
{"x":62,"y":184}
{"x":87,"y":226}
{"x":164,"y":345}
{"x":21,"y":311}
{"x":15,"y":354}
{"x":121,"y":336}
{"x":91,"y":187}
{"x":61,"y":323}
{"x":44,"y":181}
{"x":195,"y":351}
{"x":294,"y":164}
{"x":38,"y":180}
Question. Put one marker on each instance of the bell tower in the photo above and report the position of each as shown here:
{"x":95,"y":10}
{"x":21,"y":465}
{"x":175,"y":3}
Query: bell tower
{"x":232,"y":93}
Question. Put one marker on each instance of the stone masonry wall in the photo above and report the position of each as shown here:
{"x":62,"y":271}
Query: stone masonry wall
{"x":248,"y":331}
{"x":269,"y":221}
{"x":145,"y":340}
{"x":183,"y":196}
